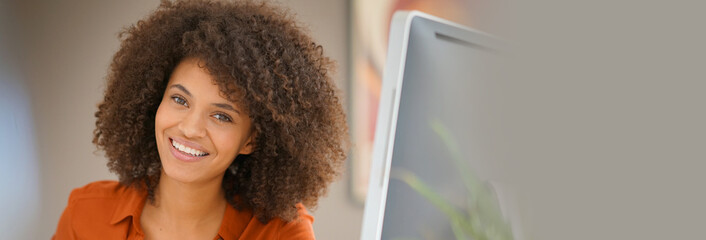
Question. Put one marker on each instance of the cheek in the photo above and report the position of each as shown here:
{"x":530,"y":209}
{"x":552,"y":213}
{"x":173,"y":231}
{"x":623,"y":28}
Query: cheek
{"x":163,"y":119}
{"x":226,"y":142}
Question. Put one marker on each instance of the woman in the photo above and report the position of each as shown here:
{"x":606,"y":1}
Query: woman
{"x":221,"y":122}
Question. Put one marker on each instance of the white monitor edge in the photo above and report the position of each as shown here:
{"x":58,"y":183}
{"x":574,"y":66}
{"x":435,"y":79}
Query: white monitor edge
{"x":386,"y":122}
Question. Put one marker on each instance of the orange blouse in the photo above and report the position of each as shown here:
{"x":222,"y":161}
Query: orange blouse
{"x":109,"y":210}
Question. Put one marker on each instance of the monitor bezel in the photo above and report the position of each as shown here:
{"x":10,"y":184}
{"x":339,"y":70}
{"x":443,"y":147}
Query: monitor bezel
{"x":386,"y":123}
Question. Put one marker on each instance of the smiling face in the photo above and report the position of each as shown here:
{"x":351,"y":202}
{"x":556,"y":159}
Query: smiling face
{"x":199,"y":133}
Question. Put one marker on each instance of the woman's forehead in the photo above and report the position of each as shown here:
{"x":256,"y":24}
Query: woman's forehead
{"x":193,"y":79}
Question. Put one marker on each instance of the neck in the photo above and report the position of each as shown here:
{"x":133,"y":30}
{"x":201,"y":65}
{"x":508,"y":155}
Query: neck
{"x":189,"y":204}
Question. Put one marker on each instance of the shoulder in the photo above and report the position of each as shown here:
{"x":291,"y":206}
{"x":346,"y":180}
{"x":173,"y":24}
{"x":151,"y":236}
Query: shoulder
{"x":91,"y":209}
{"x":97,"y":196}
{"x":99,"y":189}
{"x":100,"y":199}
{"x":299,"y":228}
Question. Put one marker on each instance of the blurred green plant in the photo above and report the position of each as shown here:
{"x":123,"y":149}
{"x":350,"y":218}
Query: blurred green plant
{"x":481,"y":219}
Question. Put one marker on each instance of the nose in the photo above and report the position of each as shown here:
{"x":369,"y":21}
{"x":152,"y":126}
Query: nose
{"x":192,"y":125}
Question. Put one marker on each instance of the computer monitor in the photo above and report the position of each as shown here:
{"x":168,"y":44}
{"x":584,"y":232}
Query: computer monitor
{"x":428,"y":178}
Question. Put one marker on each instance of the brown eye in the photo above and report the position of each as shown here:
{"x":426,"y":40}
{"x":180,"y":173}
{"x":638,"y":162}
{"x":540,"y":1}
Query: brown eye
{"x":179,"y":100}
{"x":222,"y":117}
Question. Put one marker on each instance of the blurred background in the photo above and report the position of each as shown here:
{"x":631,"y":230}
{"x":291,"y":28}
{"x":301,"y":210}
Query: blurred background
{"x":602,"y":108}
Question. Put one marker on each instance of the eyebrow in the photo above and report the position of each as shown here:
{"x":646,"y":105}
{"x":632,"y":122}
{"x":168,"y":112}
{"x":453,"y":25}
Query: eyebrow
{"x":183,"y":89}
{"x":226,"y":106}
{"x":220,"y":105}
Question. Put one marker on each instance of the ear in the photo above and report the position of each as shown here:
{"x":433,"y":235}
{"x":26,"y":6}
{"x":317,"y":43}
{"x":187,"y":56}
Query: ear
{"x":249,"y":146}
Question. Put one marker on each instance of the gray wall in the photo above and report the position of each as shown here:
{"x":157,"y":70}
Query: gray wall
{"x":603,"y":118}
{"x":64,"y":49}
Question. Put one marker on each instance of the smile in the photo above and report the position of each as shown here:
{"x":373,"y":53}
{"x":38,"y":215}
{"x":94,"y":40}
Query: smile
{"x":187,"y":150}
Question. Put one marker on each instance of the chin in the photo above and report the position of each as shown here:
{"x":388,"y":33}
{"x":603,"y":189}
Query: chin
{"x":179,"y":175}
{"x":186,"y":174}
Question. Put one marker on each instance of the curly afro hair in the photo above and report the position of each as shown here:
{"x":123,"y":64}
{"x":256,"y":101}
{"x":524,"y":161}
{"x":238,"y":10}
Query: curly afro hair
{"x":260,"y":58}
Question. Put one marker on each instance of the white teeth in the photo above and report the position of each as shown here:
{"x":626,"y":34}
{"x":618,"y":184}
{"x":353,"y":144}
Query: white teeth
{"x":188,"y":150}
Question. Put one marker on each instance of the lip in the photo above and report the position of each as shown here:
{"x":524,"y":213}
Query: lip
{"x":182,"y":156}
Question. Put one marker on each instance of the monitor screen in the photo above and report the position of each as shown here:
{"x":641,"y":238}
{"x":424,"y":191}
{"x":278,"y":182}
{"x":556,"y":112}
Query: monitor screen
{"x":434,"y":157}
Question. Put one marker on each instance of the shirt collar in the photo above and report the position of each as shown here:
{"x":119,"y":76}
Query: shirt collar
{"x":234,"y":223}
{"x":130,"y":204}
{"x":132,"y":201}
